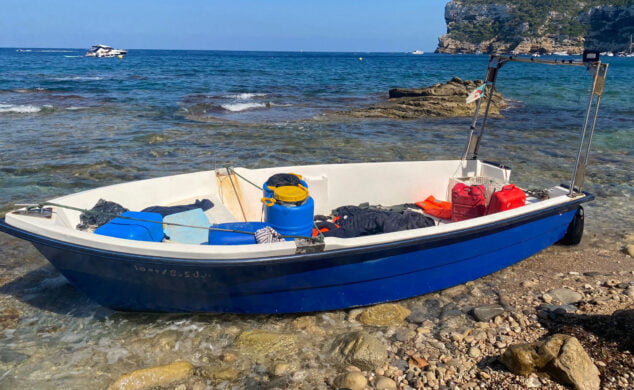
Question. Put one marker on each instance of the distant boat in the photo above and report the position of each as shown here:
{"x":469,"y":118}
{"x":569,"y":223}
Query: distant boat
{"x":629,"y":52}
{"x":103,"y":51}
{"x":418,"y":52}
{"x":561,"y":53}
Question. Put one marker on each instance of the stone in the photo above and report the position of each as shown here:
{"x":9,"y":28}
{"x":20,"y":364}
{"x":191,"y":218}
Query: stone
{"x":384,"y":383}
{"x":154,"y":376}
{"x":485,"y":313}
{"x":218,"y":374}
{"x":387,"y":314}
{"x":281,"y":369}
{"x":351,"y":381}
{"x":418,"y":316}
{"x":359,"y":349}
{"x":259,"y":343}
{"x":565,"y":295}
{"x":629,"y":292}
{"x":560,"y":356}
{"x":475,"y":352}
{"x":629,"y":249}
{"x":557,"y":309}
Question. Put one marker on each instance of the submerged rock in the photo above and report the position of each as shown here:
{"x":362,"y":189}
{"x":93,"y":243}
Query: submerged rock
{"x":560,"y":356}
{"x":439,"y":100}
{"x":359,"y":349}
{"x":351,"y":381}
{"x":387,"y":314}
{"x":259,"y":343}
{"x":154,"y":376}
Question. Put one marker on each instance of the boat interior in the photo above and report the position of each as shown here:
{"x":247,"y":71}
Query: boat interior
{"x":236,"y":194}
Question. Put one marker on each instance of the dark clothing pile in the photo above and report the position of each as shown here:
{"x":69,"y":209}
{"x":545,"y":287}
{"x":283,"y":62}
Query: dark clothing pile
{"x":283,"y":179}
{"x":204,"y":204}
{"x":365,"y":220}
{"x":101,"y":213}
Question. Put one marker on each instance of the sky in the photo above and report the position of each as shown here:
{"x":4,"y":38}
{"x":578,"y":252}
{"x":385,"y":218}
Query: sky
{"x":279,"y":25}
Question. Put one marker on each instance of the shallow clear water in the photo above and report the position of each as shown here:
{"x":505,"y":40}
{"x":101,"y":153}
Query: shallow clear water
{"x":69,"y":123}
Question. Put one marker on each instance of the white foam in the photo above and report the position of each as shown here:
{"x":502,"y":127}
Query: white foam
{"x":78,"y":78}
{"x":74,"y":108}
{"x":236,"y":107}
{"x":19,"y":109}
{"x":246,"y":95}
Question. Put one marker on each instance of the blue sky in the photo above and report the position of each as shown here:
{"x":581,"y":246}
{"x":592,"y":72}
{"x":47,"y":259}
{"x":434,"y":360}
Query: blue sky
{"x":326,"y":25}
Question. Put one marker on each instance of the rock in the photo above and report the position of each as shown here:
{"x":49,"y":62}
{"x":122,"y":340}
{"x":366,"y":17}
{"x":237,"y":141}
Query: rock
{"x":387,"y":314}
{"x":384,"y":383}
{"x":629,"y":292}
{"x":153,"y":376}
{"x":359,"y":349}
{"x":485,"y":313}
{"x":629,"y":249}
{"x":418,"y":316}
{"x":438,"y":100}
{"x":259,"y":343}
{"x":475,"y":352}
{"x":565,"y":295}
{"x":219,"y":374}
{"x":560,"y":356}
{"x":557,"y":309}
{"x":351,"y":381}
{"x":281,"y":369}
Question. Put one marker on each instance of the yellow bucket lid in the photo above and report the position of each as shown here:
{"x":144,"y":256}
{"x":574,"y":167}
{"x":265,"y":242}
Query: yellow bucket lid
{"x":290,"y":193}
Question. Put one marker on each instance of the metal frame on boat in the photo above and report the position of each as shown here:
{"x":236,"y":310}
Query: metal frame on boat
{"x":288,"y":276}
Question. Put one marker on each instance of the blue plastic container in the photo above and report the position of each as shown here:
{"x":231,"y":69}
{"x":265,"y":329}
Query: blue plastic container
{"x":135,"y":230}
{"x":230,"y":238}
{"x":291,"y":220}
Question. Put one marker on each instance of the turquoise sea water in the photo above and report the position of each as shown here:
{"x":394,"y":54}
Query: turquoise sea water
{"x":69,"y":123}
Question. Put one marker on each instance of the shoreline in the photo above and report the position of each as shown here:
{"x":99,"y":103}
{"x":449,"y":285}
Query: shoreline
{"x":440,"y":335}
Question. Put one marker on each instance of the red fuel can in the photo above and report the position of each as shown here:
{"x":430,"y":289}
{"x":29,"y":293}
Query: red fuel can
{"x":509,"y":197}
{"x":467,"y":202}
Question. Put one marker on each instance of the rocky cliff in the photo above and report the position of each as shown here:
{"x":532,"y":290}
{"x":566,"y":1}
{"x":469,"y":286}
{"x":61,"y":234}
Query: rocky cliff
{"x":547,"y":26}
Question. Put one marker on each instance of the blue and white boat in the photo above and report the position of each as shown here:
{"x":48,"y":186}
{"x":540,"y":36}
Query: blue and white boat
{"x":303,"y":276}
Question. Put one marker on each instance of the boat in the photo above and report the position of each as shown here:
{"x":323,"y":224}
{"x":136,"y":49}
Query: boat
{"x":561,"y":53}
{"x":418,"y":52}
{"x":103,"y":51}
{"x":627,"y":53}
{"x":308,"y":273}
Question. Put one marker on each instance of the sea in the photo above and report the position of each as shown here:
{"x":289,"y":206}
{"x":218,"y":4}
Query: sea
{"x":70,"y":123}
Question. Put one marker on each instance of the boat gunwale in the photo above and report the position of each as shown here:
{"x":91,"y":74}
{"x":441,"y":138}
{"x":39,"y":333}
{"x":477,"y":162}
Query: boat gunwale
{"x":429,"y":241}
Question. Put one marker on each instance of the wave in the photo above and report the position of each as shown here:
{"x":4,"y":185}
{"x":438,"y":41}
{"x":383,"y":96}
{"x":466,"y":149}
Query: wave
{"x":20,"y":109}
{"x":78,"y":78}
{"x":246,"y":95}
{"x":237,"y":107}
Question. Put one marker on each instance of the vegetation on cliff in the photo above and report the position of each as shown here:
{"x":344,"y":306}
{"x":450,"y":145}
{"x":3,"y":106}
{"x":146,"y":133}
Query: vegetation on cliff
{"x":494,"y":25}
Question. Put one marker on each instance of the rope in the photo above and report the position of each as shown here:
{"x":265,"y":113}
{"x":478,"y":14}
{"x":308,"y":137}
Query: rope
{"x":93,"y":212}
{"x":242,"y":177}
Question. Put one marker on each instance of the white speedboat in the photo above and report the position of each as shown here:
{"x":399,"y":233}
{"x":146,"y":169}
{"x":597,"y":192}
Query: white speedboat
{"x":105,"y":51}
{"x":418,"y":52}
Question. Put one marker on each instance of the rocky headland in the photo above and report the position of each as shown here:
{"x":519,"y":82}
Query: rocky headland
{"x":439,"y":100}
{"x":527,"y":27}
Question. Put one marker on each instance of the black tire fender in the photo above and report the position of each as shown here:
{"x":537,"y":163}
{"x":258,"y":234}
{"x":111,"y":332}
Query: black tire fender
{"x":575,"y":229}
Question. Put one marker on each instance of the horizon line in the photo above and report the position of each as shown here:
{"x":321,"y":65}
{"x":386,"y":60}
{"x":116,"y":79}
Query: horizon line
{"x":229,"y":50}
